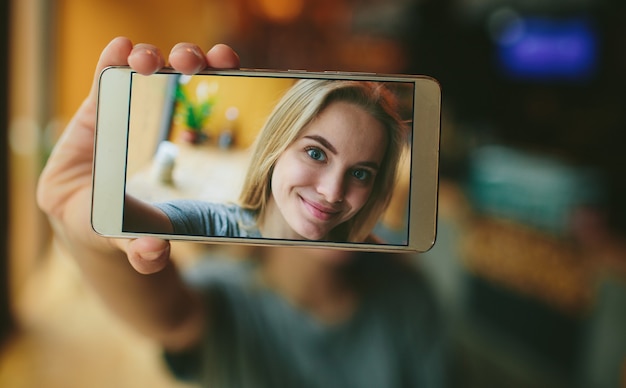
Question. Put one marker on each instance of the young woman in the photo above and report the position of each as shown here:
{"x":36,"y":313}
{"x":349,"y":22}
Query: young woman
{"x":287,"y":317}
{"x":323,"y":168}
{"x":290,"y":317}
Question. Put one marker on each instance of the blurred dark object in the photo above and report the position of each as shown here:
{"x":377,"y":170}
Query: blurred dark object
{"x":534,"y":290}
{"x":322,"y":35}
{"x":538,"y":190}
{"x":568,"y":103}
{"x":529,"y":308}
{"x":554,"y":338}
{"x":529,"y":274}
{"x":5,"y":316}
{"x":530,"y":263}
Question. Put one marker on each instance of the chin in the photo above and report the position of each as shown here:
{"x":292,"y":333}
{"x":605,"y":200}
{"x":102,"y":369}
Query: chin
{"x":310,"y":231}
{"x":315,"y":236}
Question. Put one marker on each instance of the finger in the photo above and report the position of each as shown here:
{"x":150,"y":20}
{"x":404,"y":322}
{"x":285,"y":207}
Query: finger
{"x":148,"y":255}
{"x":145,"y":58}
{"x":222,"y":56}
{"x":114,"y":54}
{"x":187,"y":58}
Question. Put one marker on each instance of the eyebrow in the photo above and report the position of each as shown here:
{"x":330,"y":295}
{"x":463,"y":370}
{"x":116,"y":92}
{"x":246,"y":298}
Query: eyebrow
{"x":322,"y":140}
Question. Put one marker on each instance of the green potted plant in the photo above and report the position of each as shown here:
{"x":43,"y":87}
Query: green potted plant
{"x":193,"y":113}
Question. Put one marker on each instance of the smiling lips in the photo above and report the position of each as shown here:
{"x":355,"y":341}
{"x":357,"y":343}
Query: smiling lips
{"x":319,"y":211}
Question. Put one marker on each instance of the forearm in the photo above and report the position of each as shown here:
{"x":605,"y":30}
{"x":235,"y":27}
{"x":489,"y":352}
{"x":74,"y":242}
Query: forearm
{"x":140,"y":216}
{"x":159,"y":305}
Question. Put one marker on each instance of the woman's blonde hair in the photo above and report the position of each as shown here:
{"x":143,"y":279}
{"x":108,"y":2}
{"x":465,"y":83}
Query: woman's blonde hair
{"x":298,"y":107}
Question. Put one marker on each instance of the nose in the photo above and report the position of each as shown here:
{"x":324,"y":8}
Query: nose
{"x":331,"y":186}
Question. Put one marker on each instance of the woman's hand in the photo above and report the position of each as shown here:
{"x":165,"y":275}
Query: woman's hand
{"x":64,"y":190}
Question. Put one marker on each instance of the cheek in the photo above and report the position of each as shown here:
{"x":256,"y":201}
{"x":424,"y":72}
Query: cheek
{"x":289,"y":173}
{"x":357,"y":197}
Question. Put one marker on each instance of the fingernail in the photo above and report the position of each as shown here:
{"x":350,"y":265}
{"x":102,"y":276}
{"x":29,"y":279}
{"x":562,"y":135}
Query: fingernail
{"x":147,"y":50}
{"x":190,"y":48}
{"x":140,"y":48}
{"x":150,"y":256}
{"x":195,"y":50}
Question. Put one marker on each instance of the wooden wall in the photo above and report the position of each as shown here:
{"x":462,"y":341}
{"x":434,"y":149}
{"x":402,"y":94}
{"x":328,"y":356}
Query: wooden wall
{"x":84,"y":27}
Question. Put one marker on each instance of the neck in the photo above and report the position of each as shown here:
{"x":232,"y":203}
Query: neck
{"x":271,"y":224}
{"x":310,"y":281}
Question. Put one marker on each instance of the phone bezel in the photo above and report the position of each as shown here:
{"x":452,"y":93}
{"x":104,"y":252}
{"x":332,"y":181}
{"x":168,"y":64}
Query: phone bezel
{"x":109,"y":169}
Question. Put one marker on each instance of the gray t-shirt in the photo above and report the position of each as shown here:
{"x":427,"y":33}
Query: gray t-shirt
{"x":258,"y":339}
{"x":201,"y":218}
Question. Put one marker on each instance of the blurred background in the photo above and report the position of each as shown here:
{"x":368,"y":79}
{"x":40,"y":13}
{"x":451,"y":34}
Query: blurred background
{"x":530,"y":263}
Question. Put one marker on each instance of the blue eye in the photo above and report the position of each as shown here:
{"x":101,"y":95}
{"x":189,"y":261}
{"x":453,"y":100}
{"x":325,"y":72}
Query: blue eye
{"x":361,"y":175}
{"x":316,"y":154}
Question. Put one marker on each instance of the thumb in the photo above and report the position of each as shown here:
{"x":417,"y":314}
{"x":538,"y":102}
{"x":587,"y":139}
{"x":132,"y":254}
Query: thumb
{"x":148,"y":255}
{"x":114,"y":54}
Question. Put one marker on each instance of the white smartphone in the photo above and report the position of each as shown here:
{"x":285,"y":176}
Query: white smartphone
{"x":323,"y":159}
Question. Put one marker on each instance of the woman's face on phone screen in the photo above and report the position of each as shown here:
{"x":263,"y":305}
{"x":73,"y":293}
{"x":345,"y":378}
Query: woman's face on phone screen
{"x":326,"y":175}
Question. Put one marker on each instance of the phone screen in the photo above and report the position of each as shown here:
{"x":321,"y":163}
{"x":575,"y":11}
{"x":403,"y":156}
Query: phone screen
{"x":196,"y":142}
